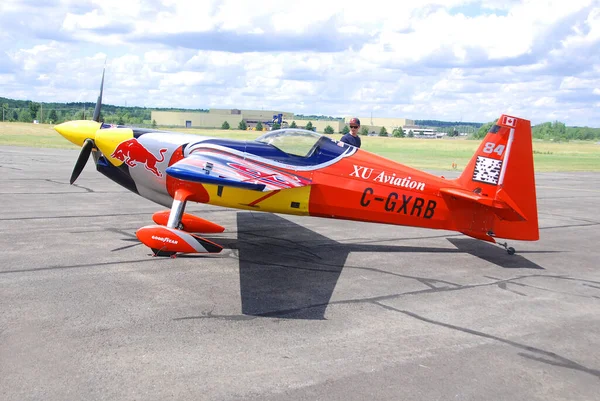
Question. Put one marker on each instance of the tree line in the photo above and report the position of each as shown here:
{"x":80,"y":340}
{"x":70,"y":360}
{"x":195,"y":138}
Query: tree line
{"x":55,"y":113}
{"x":446,"y":124}
{"x":317,"y":117}
{"x":451,"y":128}
{"x":555,"y":131}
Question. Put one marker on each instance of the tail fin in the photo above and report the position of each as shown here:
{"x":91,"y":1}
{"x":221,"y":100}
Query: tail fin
{"x":500,"y":180}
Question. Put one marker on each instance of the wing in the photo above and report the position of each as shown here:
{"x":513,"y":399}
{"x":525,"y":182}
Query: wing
{"x":219,"y":168}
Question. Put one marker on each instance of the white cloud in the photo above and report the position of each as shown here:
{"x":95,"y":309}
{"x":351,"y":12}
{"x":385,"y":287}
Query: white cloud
{"x":7,"y":78}
{"x":35,"y":58}
{"x":183,"y":78}
{"x":579,"y":83}
{"x":433,"y":59}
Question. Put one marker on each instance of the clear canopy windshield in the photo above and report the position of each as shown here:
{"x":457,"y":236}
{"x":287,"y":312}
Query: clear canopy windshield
{"x":297,"y":142}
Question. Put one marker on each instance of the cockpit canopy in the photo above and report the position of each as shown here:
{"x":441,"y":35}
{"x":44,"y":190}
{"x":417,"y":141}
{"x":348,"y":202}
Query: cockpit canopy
{"x":297,"y":142}
{"x":291,"y":146}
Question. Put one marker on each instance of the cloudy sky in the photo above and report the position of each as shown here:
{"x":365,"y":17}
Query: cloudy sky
{"x":457,"y":60}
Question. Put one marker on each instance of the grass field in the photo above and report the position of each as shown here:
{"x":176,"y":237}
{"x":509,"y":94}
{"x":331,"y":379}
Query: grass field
{"x":419,"y":153}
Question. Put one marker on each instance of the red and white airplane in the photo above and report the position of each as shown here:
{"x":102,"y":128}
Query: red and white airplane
{"x":300,"y":172}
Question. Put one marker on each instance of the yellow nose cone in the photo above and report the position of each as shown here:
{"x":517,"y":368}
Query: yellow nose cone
{"x":108,"y":139}
{"x":78,"y":131}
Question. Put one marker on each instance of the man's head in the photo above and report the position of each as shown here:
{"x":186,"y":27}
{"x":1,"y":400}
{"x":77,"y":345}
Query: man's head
{"x":354,"y":125}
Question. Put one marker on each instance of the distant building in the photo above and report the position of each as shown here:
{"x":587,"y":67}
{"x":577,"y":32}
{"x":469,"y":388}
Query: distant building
{"x":337,"y":125}
{"x":421,"y":132}
{"x":320,"y":125}
{"x":216,"y":117}
{"x":390,"y":124}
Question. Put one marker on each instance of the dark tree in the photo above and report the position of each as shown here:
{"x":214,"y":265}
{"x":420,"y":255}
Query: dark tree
{"x":398,"y":133}
{"x":52,"y":116}
{"x":33,"y":109}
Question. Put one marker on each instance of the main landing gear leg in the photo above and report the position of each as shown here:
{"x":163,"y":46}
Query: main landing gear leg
{"x":177,"y":213}
{"x":177,"y":209}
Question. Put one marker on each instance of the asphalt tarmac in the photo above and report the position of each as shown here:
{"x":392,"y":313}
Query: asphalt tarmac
{"x":295,"y":308}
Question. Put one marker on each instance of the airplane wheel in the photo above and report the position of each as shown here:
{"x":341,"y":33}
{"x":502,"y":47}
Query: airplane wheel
{"x":510,"y":250}
{"x":158,"y":252}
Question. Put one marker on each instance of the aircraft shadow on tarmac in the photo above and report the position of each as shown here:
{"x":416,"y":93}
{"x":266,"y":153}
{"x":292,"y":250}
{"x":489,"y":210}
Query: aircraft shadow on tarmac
{"x":287,"y":270}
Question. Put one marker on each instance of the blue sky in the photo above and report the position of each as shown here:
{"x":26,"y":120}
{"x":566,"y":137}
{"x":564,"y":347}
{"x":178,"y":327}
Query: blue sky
{"x":432,"y":59}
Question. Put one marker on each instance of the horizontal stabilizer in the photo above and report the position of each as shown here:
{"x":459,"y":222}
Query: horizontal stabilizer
{"x":502,"y":205}
{"x":188,"y":172}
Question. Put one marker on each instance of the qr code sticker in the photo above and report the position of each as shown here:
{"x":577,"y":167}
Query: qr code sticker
{"x":487,"y":170}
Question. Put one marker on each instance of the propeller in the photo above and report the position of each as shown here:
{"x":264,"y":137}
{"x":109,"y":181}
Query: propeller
{"x":88,"y":144}
{"x":86,"y":149}
{"x":99,"y":101}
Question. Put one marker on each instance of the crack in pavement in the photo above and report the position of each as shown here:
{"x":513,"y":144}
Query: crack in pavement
{"x":284,"y":312}
{"x":36,"y":269}
{"x":72,"y":216}
{"x":426,"y":281}
{"x":549,"y":290}
{"x":555,"y":359}
{"x":66,"y":183}
{"x":11,"y":168}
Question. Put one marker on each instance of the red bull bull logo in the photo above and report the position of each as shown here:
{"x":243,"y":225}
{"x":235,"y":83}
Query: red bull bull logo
{"x":132,"y":152}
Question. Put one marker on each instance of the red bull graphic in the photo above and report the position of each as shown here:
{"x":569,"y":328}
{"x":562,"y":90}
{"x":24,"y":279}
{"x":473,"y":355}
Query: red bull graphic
{"x":220,"y":164}
{"x":276,"y":179}
{"x":132,"y":152}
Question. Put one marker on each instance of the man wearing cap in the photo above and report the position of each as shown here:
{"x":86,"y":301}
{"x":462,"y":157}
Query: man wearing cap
{"x":352,"y":138}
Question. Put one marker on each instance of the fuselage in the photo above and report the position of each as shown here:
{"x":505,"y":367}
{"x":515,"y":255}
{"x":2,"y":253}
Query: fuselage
{"x":357,"y":185}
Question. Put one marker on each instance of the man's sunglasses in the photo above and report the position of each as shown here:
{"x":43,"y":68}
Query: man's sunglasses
{"x":354,"y":126}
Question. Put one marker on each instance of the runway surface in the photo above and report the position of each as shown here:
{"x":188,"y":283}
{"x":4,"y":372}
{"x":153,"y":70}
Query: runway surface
{"x":294,"y":308}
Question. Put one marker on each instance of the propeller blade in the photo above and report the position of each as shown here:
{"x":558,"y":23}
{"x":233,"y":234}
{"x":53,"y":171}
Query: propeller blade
{"x":99,"y":101}
{"x":86,"y":149}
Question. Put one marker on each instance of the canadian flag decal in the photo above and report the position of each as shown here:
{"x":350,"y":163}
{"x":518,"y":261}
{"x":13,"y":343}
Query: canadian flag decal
{"x":510,"y":121}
